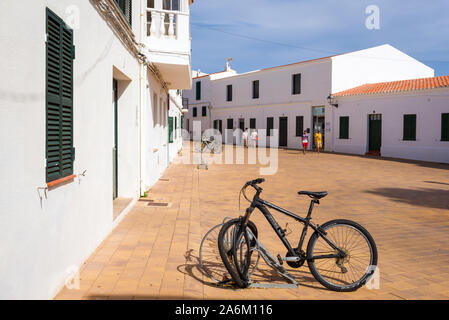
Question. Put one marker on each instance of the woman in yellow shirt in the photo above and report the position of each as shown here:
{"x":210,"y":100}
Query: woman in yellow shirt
{"x":318,"y":141}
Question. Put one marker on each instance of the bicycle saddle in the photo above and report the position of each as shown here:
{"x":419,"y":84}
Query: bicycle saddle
{"x":316,"y":195}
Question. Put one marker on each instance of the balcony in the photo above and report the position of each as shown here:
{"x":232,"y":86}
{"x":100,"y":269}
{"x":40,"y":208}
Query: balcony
{"x":168,"y":40}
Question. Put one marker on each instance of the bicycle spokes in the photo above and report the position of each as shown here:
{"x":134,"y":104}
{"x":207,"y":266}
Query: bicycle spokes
{"x":349,"y":268}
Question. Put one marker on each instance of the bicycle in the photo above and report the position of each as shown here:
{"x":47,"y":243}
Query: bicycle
{"x":333,"y":251}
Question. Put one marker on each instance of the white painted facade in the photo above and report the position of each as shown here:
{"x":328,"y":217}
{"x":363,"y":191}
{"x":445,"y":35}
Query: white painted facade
{"x":319,"y":79}
{"x":428,"y":105}
{"x":46,"y":233}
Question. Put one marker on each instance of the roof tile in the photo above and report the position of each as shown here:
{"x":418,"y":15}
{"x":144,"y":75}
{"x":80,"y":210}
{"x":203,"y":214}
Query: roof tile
{"x":396,"y":86}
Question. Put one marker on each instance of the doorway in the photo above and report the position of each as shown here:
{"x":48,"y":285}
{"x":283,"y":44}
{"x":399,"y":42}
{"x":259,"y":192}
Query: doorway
{"x":318,"y":124}
{"x":375,"y":133}
{"x":283,"y":132}
{"x":115,"y":146}
{"x":242,"y":128}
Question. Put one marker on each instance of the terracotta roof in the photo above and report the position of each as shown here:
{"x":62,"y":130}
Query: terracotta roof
{"x":397,"y":86}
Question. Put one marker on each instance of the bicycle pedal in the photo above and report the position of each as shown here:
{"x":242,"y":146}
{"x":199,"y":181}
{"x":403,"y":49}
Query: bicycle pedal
{"x":281,"y":262}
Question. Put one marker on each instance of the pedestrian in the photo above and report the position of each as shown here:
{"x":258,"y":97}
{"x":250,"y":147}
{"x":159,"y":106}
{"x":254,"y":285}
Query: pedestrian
{"x":305,"y":141}
{"x":254,"y":138}
{"x":245,"y":138}
{"x":318,"y":141}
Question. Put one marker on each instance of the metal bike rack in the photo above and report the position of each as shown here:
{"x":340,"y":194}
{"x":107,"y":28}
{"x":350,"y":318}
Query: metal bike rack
{"x":271,"y":261}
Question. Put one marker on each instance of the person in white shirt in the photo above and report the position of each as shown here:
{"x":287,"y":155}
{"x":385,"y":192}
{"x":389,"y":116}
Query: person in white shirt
{"x":254,"y":138}
{"x":245,"y":137}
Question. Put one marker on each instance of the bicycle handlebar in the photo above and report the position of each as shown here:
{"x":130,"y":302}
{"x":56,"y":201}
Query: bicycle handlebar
{"x":252,"y":183}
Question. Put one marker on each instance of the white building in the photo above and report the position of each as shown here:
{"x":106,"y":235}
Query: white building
{"x":400,"y":119}
{"x":87,"y":100}
{"x":295,"y":97}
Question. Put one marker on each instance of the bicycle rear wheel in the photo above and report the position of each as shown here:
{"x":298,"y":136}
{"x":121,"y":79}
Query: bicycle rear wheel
{"x":343,"y":274}
{"x":228,"y":237}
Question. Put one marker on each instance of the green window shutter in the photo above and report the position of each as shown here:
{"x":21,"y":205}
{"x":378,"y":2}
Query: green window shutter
{"x":60,"y":153}
{"x":270,"y":126}
{"x":344,"y":127}
{"x":204,"y":112}
{"x":229,"y":93}
{"x":445,"y":127}
{"x":296,"y":84}
{"x":195,"y":112}
{"x":252,"y":123}
{"x":409,"y":133}
{"x":299,"y":126}
{"x":170,"y":129}
{"x":126,"y":9}
{"x":198,"y":90}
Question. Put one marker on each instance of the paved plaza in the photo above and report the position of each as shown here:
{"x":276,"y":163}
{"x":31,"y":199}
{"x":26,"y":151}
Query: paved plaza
{"x":153,"y":252}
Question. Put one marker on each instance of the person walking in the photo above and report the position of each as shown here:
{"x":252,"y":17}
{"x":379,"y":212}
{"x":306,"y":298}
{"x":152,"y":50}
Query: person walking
{"x":245,"y":138}
{"x":318,"y":141}
{"x":254,"y":138}
{"x":305,"y":141}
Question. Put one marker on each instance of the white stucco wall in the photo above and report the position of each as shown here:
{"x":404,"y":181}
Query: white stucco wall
{"x":378,"y":64}
{"x":428,"y":105}
{"x":40,"y":241}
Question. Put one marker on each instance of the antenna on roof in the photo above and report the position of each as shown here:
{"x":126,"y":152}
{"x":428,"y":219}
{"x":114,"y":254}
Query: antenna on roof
{"x":228,"y":64}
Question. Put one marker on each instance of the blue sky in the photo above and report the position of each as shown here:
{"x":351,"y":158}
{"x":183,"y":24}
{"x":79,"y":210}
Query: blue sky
{"x":265,"y":33}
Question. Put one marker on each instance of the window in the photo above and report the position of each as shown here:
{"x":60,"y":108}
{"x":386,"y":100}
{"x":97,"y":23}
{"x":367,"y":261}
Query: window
{"x":252,"y":123}
{"x":445,"y":127}
{"x":230,"y":124}
{"x":229,"y":93}
{"x":270,"y":126}
{"x":60,"y":51}
{"x":409,"y":127}
{"x":170,"y":129}
{"x":194,"y":112}
{"x":299,"y":126}
{"x":126,"y":9}
{"x":204,"y":111}
{"x":296,"y":84}
{"x":198,"y":90}
{"x":150,"y":4}
{"x":171,"y":5}
{"x":344,"y":127}
{"x":256,"y":89}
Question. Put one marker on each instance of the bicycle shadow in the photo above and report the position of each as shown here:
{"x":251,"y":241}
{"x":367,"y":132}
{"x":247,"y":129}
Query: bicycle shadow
{"x":263,"y":274}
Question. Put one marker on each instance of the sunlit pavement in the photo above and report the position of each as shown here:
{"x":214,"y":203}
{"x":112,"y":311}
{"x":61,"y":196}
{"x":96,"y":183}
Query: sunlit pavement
{"x":153,"y":253}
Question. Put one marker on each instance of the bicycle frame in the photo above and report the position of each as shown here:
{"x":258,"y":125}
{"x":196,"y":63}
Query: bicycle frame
{"x":262,"y":206}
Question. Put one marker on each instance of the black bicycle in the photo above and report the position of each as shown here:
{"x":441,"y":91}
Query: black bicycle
{"x":341,"y":254}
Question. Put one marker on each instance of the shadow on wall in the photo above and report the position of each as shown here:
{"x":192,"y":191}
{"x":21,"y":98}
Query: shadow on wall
{"x":430,"y":198}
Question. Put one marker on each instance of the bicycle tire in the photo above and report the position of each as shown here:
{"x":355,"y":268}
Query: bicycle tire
{"x":369,"y":270}
{"x":226,"y":252}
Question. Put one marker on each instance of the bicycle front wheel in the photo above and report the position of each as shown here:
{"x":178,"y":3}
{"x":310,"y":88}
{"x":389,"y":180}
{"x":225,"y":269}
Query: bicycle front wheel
{"x":348,"y":273}
{"x":228,"y":237}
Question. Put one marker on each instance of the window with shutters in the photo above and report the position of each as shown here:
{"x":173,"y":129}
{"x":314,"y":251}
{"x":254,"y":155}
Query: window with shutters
{"x":344,"y":128}
{"x":60,"y":53}
{"x":229,"y":93}
{"x":445,"y":127}
{"x":195,"y":112}
{"x":299,"y":126}
{"x":170,"y":129}
{"x":256,"y":89}
{"x":409,"y":127}
{"x":252,"y":123}
{"x":270,"y":126}
{"x":204,"y":111}
{"x":125,"y":7}
{"x":296,"y":84}
{"x":198,"y":90}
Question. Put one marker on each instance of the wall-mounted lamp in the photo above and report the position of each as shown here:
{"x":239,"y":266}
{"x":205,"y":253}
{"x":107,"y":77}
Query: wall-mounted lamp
{"x":332,"y":101}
